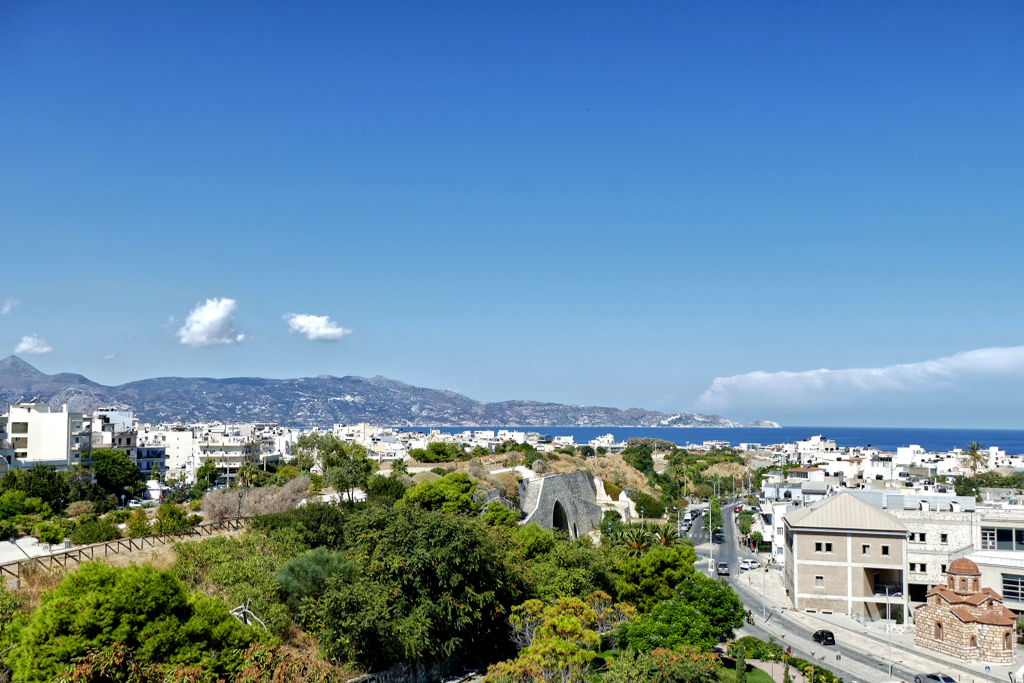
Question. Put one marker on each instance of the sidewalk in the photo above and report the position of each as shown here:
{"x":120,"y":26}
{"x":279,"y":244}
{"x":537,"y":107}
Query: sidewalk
{"x":874,"y":640}
{"x":776,"y":672}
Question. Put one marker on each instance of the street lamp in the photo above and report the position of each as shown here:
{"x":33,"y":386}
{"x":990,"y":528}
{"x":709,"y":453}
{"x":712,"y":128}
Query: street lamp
{"x":239,"y":514}
{"x":712,"y":533}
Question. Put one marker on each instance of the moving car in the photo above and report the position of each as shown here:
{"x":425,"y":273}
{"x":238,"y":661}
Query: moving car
{"x":933,"y":678}
{"x":738,"y":508}
{"x":723,"y":569}
{"x":824,"y":637}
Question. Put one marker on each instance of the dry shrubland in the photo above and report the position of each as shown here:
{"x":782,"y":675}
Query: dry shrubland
{"x":725,"y":469}
{"x":33,"y":579}
{"x":425,"y":476}
{"x":223,"y":504}
{"x":608,"y":466}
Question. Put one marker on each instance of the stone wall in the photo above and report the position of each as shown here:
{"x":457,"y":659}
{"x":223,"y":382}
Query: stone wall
{"x":565,"y":501}
{"x":956,"y":635}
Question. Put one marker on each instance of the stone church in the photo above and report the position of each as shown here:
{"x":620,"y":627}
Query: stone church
{"x":964,"y":620}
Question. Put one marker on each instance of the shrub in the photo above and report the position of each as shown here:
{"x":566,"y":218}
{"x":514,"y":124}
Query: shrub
{"x":306,"y":576}
{"x":50,"y":534}
{"x":117,"y":516}
{"x":384,"y":490}
{"x":99,"y":531}
{"x":138,"y":524}
{"x":611,"y":489}
{"x":145,"y":609}
{"x":81,"y":507}
{"x":439,"y":471}
{"x":313,"y":525}
{"x":170,"y":518}
{"x":647,"y":505}
{"x":224,"y":504}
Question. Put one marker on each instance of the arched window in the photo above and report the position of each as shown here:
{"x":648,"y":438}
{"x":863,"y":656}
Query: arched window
{"x":938,"y":630}
{"x":976,"y":585}
{"x":963,"y":585}
{"x":1007,"y":641}
{"x":974,"y":641}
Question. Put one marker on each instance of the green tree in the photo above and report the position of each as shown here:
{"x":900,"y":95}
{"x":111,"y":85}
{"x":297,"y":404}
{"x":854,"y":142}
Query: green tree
{"x":399,"y":467}
{"x":303,"y":462}
{"x":247,"y":474}
{"x":41,"y":481}
{"x":479,"y":452}
{"x":670,"y":623}
{"x":713,"y":520}
{"x":451,"y":493}
{"x":50,"y":534}
{"x":741,"y":665}
{"x":974,"y":456}
{"x":115,"y":472}
{"x":647,"y":580}
{"x":715,"y":600}
{"x":497,"y":514}
{"x":145,"y":609}
{"x":207,"y":472}
{"x":586,"y":451}
{"x":647,"y":505}
{"x":756,"y":539}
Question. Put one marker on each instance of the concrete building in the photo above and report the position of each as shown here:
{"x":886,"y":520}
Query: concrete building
{"x":39,"y":436}
{"x":845,"y":556}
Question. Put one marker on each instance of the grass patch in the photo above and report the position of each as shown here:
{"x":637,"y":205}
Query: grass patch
{"x":754,"y":675}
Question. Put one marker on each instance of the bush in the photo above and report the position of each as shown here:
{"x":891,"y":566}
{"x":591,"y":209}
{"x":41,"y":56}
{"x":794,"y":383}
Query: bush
{"x":99,"y":531}
{"x":224,"y":504}
{"x":145,"y":609}
{"x":117,"y":516}
{"x":647,"y":505}
{"x":611,"y":489}
{"x":385,"y":490}
{"x":439,"y":471}
{"x":138,"y":524}
{"x":306,"y":576}
{"x":313,"y":525}
{"x":169,"y":519}
{"x":81,"y":507}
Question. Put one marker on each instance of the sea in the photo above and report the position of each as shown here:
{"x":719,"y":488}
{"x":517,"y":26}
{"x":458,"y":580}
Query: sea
{"x":882,"y":438}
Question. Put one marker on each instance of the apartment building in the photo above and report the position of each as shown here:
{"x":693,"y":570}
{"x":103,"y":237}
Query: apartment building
{"x":843,"y":555}
{"x":38,"y":435}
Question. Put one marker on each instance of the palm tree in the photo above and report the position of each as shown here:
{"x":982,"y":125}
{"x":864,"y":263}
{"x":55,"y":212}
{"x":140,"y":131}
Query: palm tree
{"x":246,"y":474}
{"x":637,"y":538}
{"x":974,"y":456}
{"x":665,"y":534}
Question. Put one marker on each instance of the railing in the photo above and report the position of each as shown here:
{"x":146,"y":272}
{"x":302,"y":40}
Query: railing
{"x":69,"y":558}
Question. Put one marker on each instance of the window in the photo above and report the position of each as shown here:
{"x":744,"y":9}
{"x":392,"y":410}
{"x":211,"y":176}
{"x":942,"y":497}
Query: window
{"x":885,"y":550}
{"x":923,"y":567}
{"x":1018,"y":539}
{"x":944,"y":538}
{"x":817,"y":547}
{"x":828,"y":547}
{"x":819,"y":581}
{"x":938,"y":630}
{"x":921,"y":537}
{"x":988,"y":538}
{"x":913,"y":567}
{"x":1013,"y":587}
{"x":963,"y":585}
{"x":1007,"y":641}
{"x":974,"y":641}
{"x":865,"y":549}
{"x":943,"y":569}
{"x":1004,"y":539}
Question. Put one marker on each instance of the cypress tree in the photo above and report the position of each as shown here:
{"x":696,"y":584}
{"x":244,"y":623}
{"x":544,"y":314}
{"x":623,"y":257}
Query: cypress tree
{"x":741,"y":665}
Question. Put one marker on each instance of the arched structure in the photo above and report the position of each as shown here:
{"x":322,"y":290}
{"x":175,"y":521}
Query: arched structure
{"x":566,"y":502}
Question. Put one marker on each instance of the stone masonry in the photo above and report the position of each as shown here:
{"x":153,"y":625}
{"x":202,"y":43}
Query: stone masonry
{"x":963,"y":620}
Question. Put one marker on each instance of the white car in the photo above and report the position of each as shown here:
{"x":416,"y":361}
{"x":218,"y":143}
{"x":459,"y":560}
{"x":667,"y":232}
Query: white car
{"x":749,"y":564}
{"x":134,"y":503}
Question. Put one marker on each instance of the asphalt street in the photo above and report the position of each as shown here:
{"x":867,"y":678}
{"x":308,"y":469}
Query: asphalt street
{"x":846,"y":662}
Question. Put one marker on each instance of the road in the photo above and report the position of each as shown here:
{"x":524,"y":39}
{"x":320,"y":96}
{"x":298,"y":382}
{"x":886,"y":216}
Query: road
{"x":852,"y":666}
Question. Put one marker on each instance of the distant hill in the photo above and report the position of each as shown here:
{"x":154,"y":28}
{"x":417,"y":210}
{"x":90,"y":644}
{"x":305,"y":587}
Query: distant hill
{"x":321,"y":402}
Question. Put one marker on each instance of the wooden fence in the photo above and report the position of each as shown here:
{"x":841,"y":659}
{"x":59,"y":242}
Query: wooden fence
{"x":71,"y":558}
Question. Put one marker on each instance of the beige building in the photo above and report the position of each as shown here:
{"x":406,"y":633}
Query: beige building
{"x":845,"y":556}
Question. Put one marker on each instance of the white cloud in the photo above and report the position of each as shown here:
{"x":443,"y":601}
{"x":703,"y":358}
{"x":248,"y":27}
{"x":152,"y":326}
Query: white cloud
{"x":110,"y":356}
{"x":811,"y":387}
{"x":211,"y":324}
{"x":8,"y":306}
{"x":32,"y":344}
{"x":315,"y":327}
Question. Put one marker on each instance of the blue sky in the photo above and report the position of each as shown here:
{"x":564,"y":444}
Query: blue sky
{"x":599,"y":203}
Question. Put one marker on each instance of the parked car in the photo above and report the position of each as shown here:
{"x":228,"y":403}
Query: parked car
{"x":749,"y":564}
{"x":723,"y":569}
{"x":824,"y":637}
{"x":737,"y":509}
{"x":134,"y":503}
{"x":933,"y":678}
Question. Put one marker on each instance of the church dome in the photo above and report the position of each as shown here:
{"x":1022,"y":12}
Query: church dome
{"x":963,"y":566}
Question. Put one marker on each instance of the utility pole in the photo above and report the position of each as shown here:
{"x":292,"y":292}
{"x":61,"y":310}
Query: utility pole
{"x":764,"y":594}
{"x":888,"y":627}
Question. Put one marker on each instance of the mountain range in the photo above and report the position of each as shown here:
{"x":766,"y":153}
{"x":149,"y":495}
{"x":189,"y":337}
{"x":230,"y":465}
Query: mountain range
{"x":320,"y":402}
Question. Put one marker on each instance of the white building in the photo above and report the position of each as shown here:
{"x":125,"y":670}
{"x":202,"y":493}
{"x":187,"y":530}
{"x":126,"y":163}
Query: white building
{"x":36,"y":435}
